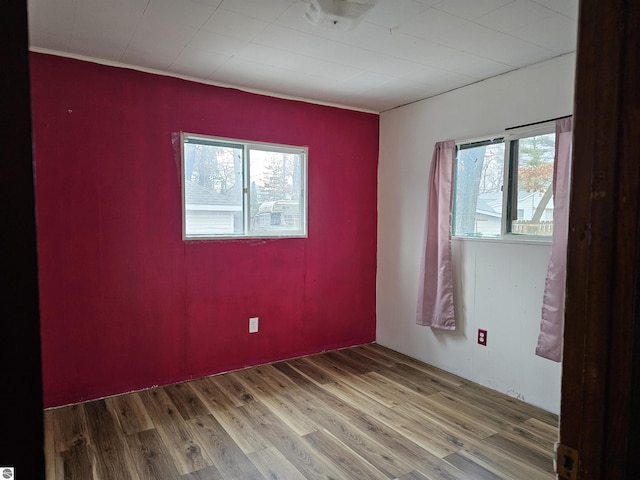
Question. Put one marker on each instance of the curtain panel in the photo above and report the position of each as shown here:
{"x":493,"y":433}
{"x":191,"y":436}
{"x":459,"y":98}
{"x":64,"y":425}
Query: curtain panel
{"x":550,"y":339}
{"x":435,"y":295}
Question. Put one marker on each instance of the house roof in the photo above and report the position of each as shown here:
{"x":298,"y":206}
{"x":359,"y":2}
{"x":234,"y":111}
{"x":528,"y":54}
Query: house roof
{"x":483,"y":206}
{"x":196,"y":194}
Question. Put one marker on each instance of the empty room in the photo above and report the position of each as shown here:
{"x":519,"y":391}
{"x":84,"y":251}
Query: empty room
{"x":289,"y":239}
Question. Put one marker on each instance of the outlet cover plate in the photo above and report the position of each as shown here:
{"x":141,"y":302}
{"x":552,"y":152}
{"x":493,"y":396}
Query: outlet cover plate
{"x":482,"y":337}
{"x":253,"y":325}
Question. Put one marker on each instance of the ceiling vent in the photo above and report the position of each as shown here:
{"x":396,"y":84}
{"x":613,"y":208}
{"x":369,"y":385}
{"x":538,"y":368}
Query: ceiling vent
{"x":341,"y":14}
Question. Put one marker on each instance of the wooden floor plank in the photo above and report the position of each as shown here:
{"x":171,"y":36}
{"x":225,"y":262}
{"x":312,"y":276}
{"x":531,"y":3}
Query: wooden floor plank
{"x":186,"y":400}
{"x":402,"y":449}
{"x":368,"y":364}
{"x":490,"y":413}
{"x":404,"y":391}
{"x":267,"y":391}
{"x":368,"y":351}
{"x":311,"y":463}
{"x":411,"y":382}
{"x":332,"y":418}
{"x":226,"y":456}
{"x":542,"y":430}
{"x":521,"y":433}
{"x":111,"y":455}
{"x":432,"y":437}
{"x":378,"y":391}
{"x":274,"y":466}
{"x":351,"y":464}
{"x":446,"y":414}
{"x":71,"y":427}
{"x":415,"y":475}
{"x":471,"y":468}
{"x":151,"y":457}
{"x":364,"y":412}
{"x":209,"y":473}
{"x":131,"y":413}
{"x":77,"y":463}
{"x":242,"y":432}
{"x":502,"y":463}
{"x":332,"y":368}
{"x":529,"y":411}
{"x":278,"y":381}
{"x":310,"y":370}
{"x":50,"y":455}
{"x":160,"y":407}
{"x":416,"y":377}
{"x":521,"y":451}
{"x":232,"y":388}
{"x":211,"y":394}
{"x":183,"y":446}
{"x":349,"y":363}
{"x":445,"y":378}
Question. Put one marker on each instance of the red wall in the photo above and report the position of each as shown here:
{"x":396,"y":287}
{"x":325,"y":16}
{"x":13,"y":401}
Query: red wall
{"x":125,"y":302}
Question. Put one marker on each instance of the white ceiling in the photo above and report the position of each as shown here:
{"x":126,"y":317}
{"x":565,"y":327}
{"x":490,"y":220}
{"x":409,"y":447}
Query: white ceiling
{"x":402,"y":51}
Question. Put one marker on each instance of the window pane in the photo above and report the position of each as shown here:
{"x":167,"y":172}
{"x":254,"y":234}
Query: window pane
{"x":534,"y":192}
{"x":275,"y":191}
{"x":237,"y":189}
{"x":212,"y":189}
{"x":477,"y":198}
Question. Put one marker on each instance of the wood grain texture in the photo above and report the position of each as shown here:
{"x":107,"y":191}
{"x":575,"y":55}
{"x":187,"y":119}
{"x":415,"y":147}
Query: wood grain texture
{"x":50,"y":455}
{"x":131,"y":413}
{"x":112,"y":457}
{"x":71,"y":427}
{"x":601,"y":377}
{"x":274,"y":466}
{"x":360,"y":413}
{"x":184,"y":447}
{"x":151,"y":457}
{"x":77,"y":463}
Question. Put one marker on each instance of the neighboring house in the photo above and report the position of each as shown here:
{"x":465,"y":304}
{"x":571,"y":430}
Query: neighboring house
{"x":527,"y":204}
{"x":489,"y":214}
{"x":277,"y":215}
{"x":489,"y":208}
{"x":208,"y":212}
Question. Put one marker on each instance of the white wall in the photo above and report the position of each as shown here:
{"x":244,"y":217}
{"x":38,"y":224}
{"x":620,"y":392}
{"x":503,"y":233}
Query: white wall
{"x":499,"y":283}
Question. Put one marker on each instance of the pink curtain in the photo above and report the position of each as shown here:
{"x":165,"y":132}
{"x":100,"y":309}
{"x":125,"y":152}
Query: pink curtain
{"x":552,"y":324}
{"x":435,"y":297}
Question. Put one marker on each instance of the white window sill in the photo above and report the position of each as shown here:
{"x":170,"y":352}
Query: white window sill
{"x":510,"y":239}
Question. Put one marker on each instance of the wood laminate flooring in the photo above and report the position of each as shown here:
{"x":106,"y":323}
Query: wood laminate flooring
{"x":363,"y":413}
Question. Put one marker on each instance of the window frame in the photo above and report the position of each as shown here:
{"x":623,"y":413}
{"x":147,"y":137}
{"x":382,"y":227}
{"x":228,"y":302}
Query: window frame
{"x":510,"y":199}
{"x":247,"y":146}
{"x":510,"y":180}
{"x":479,"y":142}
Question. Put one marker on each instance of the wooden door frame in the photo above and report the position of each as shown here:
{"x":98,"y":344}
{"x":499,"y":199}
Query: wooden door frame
{"x":600,"y":382}
{"x":20,"y":359}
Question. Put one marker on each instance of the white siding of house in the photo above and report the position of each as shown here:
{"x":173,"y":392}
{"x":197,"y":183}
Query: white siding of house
{"x":203,"y":222}
{"x":499,"y":284}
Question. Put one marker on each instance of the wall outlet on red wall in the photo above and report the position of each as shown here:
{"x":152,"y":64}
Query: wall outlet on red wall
{"x":253,"y":325}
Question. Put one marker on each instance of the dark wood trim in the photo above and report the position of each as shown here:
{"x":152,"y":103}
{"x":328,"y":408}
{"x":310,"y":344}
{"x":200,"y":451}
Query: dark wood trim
{"x":602,"y":266}
{"x":21,"y":396}
{"x":630,"y":142}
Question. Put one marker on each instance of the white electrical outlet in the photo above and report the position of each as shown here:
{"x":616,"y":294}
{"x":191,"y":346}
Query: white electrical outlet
{"x":253,"y":324}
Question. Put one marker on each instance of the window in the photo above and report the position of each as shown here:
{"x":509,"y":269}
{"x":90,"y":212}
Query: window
{"x":478,"y":177}
{"x":531,"y":187}
{"x":238,"y":189}
{"x":523,"y":161}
